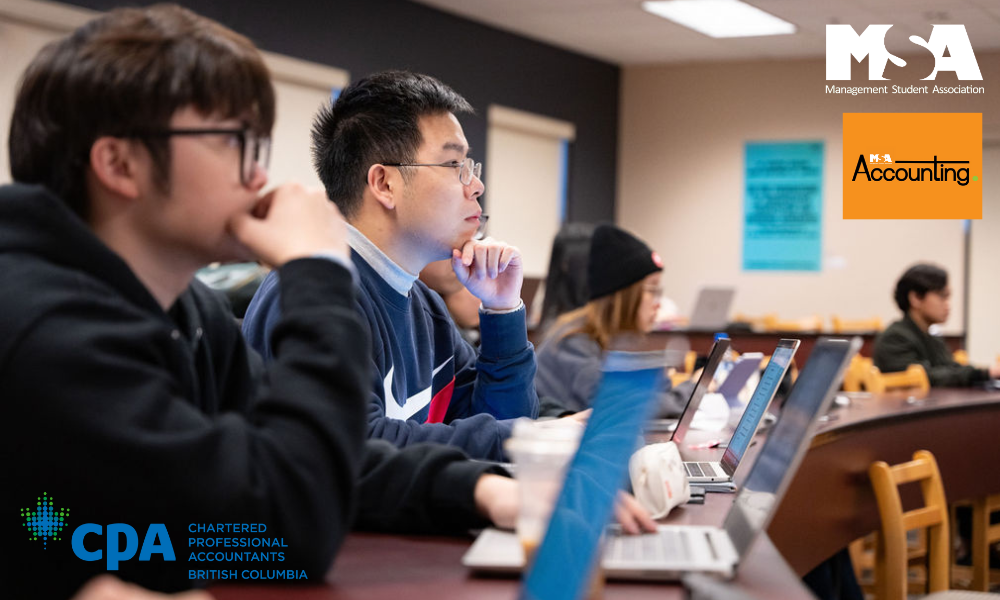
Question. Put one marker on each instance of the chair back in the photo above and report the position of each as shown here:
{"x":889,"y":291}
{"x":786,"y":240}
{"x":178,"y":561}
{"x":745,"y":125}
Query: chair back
{"x":891,"y":550}
{"x":914,"y":376}
{"x":773,"y":324}
{"x":961,"y":357}
{"x":854,"y":377}
{"x":855,"y":325}
{"x":984,"y":535}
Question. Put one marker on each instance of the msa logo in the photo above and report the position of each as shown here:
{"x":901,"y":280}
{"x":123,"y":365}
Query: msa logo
{"x":948,"y":43}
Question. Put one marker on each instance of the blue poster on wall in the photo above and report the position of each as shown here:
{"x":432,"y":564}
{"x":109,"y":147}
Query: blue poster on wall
{"x":783,"y":206}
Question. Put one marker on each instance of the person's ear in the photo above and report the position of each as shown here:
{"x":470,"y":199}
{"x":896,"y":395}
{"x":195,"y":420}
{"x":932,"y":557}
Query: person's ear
{"x":115,"y":164}
{"x":384,"y":185}
{"x":914,"y":298}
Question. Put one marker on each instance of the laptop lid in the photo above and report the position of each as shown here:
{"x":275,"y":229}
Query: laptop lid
{"x":707,"y":374}
{"x":711,"y":309}
{"x":738,"y":377}
{"x":781,"y":359}
{"x":623,"y":401}
{"x":788,"y":441}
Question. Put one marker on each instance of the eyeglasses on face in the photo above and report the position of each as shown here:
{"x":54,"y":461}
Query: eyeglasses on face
{"x":467,"y":169}
{"x":255,"y":149}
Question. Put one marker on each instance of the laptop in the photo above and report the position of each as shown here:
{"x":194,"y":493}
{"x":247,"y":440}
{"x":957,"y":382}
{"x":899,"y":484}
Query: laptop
{"x":720,"y":550}
{"x":723,"y":471}
{"x":675,"y":550}
{"x":746,"y":365}
{"x":711,"y":309}
{"x":694,"y":401}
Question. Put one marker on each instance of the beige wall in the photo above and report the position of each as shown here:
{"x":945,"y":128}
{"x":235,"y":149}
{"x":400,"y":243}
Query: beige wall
{"x":984,"y":281}
{"x":524,"y":182}
{"x":300,"y":86}
{"x":680,"y":185}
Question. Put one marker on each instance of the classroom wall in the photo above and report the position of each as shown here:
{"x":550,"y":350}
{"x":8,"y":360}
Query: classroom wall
{"x":300,"y":87}
{"x":984,"y":284}
{"x":680,"y":183}
{"x":483,"y":64}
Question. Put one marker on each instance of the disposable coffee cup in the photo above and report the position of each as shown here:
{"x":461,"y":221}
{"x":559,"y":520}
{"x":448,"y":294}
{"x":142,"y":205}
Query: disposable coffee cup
{"x":541,"y":452}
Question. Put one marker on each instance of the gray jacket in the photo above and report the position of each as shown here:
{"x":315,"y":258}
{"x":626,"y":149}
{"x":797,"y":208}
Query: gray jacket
{"x":569,"y":369}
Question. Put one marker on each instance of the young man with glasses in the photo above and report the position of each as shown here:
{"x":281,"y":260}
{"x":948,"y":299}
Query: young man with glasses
{"x":394,"y":159}
{"x":139,"y":146}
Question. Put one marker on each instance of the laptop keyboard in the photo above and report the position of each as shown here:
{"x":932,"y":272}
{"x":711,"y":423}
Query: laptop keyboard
{"x":650,"y":547}
{"x":703,"y":469}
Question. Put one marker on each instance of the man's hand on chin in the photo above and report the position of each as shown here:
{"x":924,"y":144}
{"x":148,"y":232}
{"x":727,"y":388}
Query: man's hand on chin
{"x":492,"y":271}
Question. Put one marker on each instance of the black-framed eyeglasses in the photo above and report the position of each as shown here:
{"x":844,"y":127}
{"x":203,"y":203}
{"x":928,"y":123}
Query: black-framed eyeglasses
{"x":255,"y":150}
{"x":467,"y":169}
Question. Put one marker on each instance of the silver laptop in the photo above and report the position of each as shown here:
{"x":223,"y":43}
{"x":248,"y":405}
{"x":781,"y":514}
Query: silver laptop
{"x":694,"y":401}
{"x":675,"y":550}
{"x":723,"y":471}
{"x":711,"y":309}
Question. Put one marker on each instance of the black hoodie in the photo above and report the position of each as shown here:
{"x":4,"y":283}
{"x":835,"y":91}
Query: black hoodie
{"x":119,"y":412}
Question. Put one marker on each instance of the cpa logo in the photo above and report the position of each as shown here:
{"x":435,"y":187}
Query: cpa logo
{"x":44,"y":521}
{"x":948,"y":43}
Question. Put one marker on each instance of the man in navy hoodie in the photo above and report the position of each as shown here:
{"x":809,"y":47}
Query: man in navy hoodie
{"x":394,"y":159}
{"x":139,"y":147}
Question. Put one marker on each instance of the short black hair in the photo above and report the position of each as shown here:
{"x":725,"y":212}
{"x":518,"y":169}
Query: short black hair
{"x":375,"y":120}
{"x":920,"y":278}
{"x":128,"y":71}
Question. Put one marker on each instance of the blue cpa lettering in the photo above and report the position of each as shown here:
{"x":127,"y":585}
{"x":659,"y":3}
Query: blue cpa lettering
{"x":156,"y":531}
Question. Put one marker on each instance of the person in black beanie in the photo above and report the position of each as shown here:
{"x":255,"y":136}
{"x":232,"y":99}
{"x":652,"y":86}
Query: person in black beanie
{"x":624,"y":278}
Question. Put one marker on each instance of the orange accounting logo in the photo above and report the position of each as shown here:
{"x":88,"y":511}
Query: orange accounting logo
{"x":913,"y":165}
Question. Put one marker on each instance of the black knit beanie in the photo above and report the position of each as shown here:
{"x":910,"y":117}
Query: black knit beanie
{"x":617,"y":260}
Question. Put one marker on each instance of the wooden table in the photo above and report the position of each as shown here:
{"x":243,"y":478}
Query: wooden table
{"x":374,"y":566}
{"x":830,"y":501}
{"x":828,"y":504}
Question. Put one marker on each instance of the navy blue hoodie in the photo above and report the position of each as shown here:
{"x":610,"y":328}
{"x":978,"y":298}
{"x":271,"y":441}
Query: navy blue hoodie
{"x":428,"y":384}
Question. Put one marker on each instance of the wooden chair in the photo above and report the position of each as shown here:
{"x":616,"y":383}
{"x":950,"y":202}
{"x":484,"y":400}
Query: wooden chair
{"x":961,"y":357}
{"x":679,"y":377}
{"x":983,"y":534}
{"x":855,"y":325}
{"x":854,"y":377}
{"x":690,"y":358}
{"x":773,"y":324}
{"x":914,"y":376}
{"x":891,"y":546}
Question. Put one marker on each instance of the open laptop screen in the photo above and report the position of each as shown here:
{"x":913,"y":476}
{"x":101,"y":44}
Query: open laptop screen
{"x":711,"y":309}
{"x":623,"y":402}
{"x":787,"y":442}
{"x":707,"y":374}
{"x":769,"y":381}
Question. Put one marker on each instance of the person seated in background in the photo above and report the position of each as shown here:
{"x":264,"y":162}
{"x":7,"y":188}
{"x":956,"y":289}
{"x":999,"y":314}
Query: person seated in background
{"x":394,"y":159}
{"x":566,"y":281}
{"x":462,"y":305}
{"x":138,"y":145}
{"x":623,"y":275}
{"x":922,"y":293}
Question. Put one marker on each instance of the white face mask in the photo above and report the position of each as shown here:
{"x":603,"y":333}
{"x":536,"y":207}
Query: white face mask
{"x":659,"y":480}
